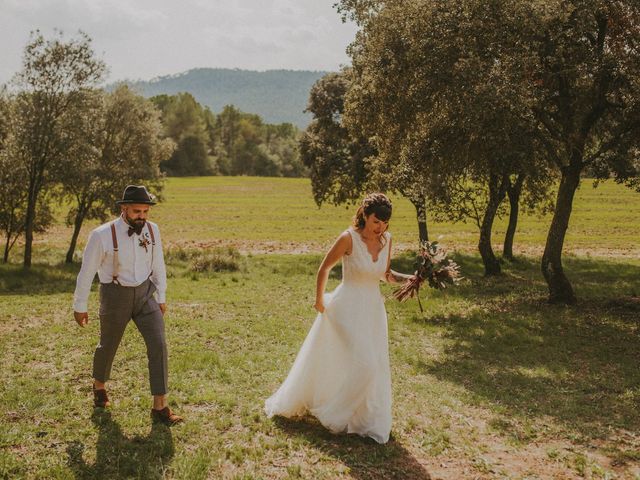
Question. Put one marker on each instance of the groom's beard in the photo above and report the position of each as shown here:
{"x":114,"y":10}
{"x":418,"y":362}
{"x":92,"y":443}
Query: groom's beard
{"x":137,"y":224}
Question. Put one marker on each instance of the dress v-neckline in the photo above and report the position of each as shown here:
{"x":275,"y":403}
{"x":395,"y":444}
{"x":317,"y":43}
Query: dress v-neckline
{"x":367,"y":248}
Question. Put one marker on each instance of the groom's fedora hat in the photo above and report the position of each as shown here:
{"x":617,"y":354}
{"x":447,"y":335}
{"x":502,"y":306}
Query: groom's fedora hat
{"x":137,"y":194}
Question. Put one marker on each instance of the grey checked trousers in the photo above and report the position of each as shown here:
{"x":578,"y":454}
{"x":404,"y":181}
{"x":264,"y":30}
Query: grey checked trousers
{"x":118,"y":305}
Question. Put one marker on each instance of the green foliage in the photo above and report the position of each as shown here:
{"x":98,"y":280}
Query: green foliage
{"x":62,"y":138}
{"x":214,"y":263}
{"x":189,"y":158}
{"x":184,"y":117}
{"x":506,"y":88}
{"x":117,"y":142}
{"x":583,"y":89}
{"x":185,"y":122}
{"x":448,"y":126}
{"x":13,"y":179}
{"x":248,"y":146}
{"x":52,"y":89}
{"x":336,"y":159}
{"x":232,"y":142}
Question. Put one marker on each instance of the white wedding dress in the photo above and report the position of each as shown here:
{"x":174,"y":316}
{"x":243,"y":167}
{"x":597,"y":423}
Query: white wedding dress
{"x":341,"y":374}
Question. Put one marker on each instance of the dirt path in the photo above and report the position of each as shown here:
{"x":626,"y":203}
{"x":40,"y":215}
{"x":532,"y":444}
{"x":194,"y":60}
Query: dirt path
{"x":293,"y":248}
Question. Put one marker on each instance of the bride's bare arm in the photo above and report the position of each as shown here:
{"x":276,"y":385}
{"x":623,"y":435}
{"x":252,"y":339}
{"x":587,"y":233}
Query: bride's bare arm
{"x":341,"y":247}
{"x":391,"y":276}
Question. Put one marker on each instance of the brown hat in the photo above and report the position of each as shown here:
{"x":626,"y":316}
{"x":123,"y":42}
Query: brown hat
{"x":137,"y":194}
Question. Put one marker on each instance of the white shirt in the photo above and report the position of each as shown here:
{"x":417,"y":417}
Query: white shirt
{"x":134,"y":266}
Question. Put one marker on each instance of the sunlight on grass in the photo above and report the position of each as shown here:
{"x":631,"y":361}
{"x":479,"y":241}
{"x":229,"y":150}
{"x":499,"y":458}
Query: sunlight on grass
{"x":488,"y":382}
{"x":489,"y":378}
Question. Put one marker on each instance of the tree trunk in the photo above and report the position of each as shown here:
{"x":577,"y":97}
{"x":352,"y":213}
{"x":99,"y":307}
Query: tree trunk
{"x":5,"y":258}
{"x":560,"y":290}
{"x":28,"y":226}
{"x":77,"y":225}
{"x":421,"y":214}
{"x":496,"y":194}
{"x":8,"y":245}
{"x":513,"y":191}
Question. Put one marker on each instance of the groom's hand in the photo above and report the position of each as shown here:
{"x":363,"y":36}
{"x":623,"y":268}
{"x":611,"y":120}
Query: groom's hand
{"x":163,"y":307}
{"x":81,"y":317}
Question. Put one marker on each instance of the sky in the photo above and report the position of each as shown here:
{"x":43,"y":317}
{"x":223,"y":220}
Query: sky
{"x":143,"y":39}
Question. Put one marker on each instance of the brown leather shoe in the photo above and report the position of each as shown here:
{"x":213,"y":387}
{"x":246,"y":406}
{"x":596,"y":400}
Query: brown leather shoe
{"x":165,"y":416}
{"x":100,"y":398}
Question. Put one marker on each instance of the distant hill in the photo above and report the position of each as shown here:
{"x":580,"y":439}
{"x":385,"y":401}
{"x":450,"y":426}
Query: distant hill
{"x":276,"y":95}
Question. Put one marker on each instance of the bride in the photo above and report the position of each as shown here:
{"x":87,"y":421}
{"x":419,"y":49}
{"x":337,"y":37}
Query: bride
{"x":341,"y":374}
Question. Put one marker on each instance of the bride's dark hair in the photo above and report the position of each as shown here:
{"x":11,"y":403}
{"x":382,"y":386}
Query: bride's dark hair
{"x":377,"y":203}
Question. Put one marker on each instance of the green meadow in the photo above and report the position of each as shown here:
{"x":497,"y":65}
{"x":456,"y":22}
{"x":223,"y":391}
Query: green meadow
{"x":260,"y":214}
{"x":489,"y":382}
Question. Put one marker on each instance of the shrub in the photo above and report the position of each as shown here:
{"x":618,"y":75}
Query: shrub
{"x":201,"y":260}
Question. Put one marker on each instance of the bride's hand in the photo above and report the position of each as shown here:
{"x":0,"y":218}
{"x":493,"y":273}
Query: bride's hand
{"x":319,"y":307}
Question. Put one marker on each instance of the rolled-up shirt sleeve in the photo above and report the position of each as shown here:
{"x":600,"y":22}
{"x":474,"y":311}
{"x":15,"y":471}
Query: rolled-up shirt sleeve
{"x":159,"y":275}
{"x":91,"y":259}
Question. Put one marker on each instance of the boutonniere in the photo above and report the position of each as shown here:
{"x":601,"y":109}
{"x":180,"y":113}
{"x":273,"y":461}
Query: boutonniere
{"x":144,"y":241}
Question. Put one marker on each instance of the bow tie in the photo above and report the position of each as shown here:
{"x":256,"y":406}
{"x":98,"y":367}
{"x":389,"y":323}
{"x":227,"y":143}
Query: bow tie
{"x":137,"y":229}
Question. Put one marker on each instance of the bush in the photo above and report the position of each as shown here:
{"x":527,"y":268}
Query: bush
{"x":201,"y":260}
{"x":215,"y":262}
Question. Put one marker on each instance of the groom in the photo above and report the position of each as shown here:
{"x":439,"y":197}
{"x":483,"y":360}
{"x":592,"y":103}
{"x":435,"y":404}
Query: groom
{"x":127,"y":254}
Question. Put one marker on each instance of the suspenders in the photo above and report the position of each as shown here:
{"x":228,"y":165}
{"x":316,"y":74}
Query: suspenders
{"x":153,"y":240}
{"x":114,"y":240}
{"x":116,"y":263}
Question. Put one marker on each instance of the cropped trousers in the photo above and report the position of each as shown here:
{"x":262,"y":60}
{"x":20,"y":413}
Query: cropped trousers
{"x":118,"y":305}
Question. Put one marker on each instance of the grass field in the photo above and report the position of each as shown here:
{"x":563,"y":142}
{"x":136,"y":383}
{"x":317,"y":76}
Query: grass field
{"x":277,"y":214}
{"x":490,"y":382}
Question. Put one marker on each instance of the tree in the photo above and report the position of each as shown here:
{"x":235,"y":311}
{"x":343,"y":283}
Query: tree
{"x":343,"y":163}
{"x":282,"y":146}
{"x":118,"y":141}
{"x":450,"y":118}
{"x":336,"y":160}
{"x":13,"y":178}
{"x":231,"y":143}
{"x":227,"y":131}
{"x":248,"y":157}
{"x":532,"y":192}
{"x":190,"y":158}
{"x":55,"y":76}
{"x":245,"y":145}
{"x":571,"y":69}
{"x":582,"y":70}
{"x":188,"y":125}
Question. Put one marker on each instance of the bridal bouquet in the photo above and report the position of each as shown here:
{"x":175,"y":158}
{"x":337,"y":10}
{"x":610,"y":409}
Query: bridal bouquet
{"x":433,"y":267}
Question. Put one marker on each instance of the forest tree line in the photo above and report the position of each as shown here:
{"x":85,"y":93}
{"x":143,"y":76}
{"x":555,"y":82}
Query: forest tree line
{"x":230,"y":143}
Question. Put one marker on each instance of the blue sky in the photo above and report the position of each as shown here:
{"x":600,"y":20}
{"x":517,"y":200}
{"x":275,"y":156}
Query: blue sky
{"x":142,"y":39}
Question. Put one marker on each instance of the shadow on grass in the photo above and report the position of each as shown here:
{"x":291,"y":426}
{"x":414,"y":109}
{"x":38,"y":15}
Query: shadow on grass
{"x":577,"y":365}
{"x":366,"y":459}
{"x":583,"y":272}
{"x":118,"y":456}
{"x":38,"y":280}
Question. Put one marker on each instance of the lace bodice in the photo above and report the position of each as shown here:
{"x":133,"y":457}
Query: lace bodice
{"x":359,"y":267}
